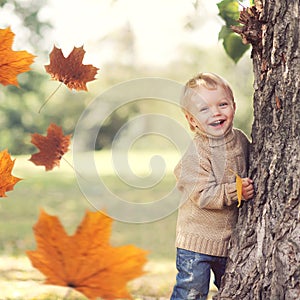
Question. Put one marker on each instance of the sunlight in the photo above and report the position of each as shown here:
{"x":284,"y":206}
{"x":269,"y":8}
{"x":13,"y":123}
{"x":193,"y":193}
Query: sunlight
{"x":158,"y":27}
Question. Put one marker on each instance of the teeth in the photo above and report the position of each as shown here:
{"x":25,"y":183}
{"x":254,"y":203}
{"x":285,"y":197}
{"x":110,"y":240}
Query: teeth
{"x":216,"y":123}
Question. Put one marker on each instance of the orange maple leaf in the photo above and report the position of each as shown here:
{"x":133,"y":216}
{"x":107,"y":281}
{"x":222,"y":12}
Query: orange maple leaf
{"x":85,"y":261}
{"x":12,"y":63}
{"x":52,"y":147}
{"x":7,"y":181}
{"x":239,"y":187}
{"x":70,"y":70}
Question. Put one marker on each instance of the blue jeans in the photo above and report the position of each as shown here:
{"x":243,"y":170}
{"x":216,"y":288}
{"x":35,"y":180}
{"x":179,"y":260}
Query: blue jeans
{"x":193,"y":278}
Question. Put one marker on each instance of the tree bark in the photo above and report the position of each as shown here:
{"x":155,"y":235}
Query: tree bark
{"x":265,"y":249}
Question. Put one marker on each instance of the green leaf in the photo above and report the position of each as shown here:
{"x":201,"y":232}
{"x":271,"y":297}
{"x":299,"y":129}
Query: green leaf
{"x":224,"y":32}
{"x":229,"y":11}
{"x":232,"y":42}
{"x":234,"y":46}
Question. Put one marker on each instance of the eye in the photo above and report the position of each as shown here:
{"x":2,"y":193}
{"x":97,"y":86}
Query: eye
{"x":203,"y":109}
{"x":223,"y":104}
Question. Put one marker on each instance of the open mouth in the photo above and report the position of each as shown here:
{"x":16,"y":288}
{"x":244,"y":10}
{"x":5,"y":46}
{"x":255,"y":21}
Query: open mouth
{"x":217,"y":123}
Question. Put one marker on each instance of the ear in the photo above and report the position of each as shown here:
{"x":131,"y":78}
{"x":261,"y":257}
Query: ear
{"x":234,"y":106}
{"x":191,"y":120}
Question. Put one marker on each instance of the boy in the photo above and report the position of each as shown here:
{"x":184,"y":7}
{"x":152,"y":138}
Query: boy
{"x":206,"y":177}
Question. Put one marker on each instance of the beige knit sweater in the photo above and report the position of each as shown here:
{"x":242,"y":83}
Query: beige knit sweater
{"x":208,"y":210}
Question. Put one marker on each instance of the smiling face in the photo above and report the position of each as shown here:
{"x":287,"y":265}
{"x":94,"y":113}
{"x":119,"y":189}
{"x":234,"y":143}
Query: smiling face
{"x":211,"y":111}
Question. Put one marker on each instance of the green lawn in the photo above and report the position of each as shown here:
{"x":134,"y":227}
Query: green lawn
{"x":58,"y":193}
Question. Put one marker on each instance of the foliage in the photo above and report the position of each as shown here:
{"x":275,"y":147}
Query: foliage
{"x":52,"y":147}
{"x":239,"y":188}
{"x":232,"y":42}
{"x":85,"y":261}
{"x":58,"y":193}
{"x":70,"y":70}
{"x":19,"y":111}
{"x":12,"y":63}
{"x":18,"y":105}
{"x":8,"y":181}
{"x":28,"y":17}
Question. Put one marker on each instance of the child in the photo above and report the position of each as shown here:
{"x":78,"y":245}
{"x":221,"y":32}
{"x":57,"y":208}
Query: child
{"x":206,"y":177}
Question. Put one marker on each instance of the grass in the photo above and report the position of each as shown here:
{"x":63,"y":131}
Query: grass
{"x":58,"y":193}
{"x":18,"y":281}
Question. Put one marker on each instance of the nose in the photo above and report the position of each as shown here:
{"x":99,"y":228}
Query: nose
{"x":215,"y":111}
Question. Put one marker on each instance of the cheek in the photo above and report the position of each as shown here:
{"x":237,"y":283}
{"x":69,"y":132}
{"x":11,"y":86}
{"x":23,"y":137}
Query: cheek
{"x":230,"y":113}
{"x":200,"y":120}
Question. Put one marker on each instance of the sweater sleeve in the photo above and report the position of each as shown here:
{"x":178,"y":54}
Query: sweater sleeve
{"x":197,"y":182}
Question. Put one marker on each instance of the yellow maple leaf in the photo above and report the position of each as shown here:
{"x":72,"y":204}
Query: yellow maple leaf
{"x":12,"y":63}
{"x":85,"y":261}
{"x":239,"y":187}
{"x":7,"y":181}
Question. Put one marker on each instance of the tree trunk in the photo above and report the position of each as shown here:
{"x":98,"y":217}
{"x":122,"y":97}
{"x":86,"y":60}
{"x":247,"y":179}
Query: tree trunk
{"x":264,"y":257}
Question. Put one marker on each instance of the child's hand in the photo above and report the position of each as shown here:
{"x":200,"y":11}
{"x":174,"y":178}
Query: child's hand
{"x":247,"y":188}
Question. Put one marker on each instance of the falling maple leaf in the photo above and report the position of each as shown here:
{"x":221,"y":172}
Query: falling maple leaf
{"x":52,"y":147}
{"x":70,"y":70}
{"x":7,"y":181}
{"x":12,"y":63}
{"x":85,"y":261}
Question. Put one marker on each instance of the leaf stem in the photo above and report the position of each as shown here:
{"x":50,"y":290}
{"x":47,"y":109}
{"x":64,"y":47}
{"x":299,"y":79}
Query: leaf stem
{"x":50,"y":96}
{"x":73,"y":168}
{"x":232,"y":171}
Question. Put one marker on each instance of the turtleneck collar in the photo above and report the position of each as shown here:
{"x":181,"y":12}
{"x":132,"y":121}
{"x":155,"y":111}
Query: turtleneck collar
{"x":215,"y":141}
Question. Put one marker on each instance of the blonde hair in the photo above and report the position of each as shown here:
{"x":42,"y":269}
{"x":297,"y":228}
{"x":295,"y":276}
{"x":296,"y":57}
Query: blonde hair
{"x":209,"y":81}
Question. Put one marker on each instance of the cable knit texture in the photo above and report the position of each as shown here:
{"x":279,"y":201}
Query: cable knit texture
{"x":208,"y":210}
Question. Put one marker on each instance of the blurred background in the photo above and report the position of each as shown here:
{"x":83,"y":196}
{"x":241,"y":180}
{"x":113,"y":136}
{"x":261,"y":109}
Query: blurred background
{"x":125,"y":39}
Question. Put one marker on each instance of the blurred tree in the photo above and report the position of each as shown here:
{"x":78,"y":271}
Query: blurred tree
{"x":19,"y":106}
{"x":17,"y":117}
{"x":26,"y":15}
